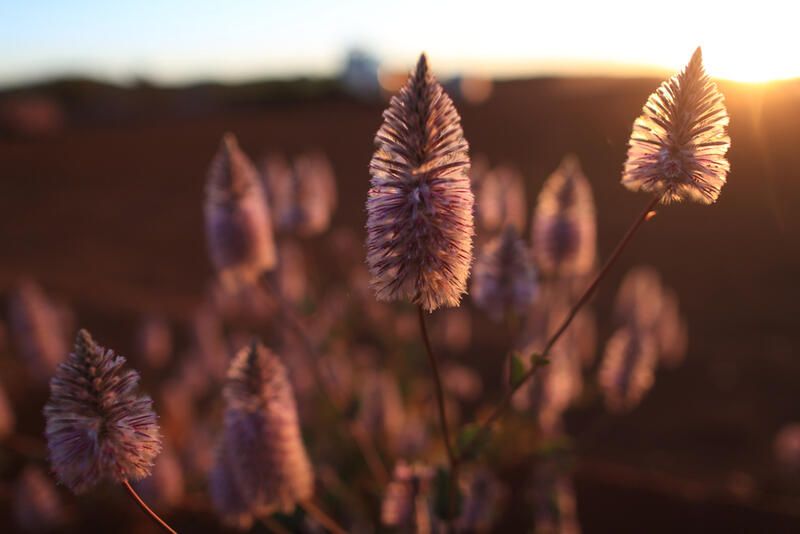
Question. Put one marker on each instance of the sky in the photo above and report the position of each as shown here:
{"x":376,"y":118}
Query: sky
{"x":174,"y":42}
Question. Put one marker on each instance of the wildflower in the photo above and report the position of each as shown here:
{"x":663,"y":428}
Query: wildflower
{"x":482,"y":495}
{"x":7,"y":417}
{"x":561,"y":382}
{"x":563,"y":229}
{"x":627,"y":370}
{"x":639,"y":298}
{"x":504,"y":278}
{"x":501,"y":200}
{"x":315,"y":193}
{"x":672,"y":332}
{"x":419,"y":208}
{"x":382,"y":412}
{"x":96,"y":425}
{"x":262,"y":434}
{"x":238,"y":225}
{"x":554,"y":500}
{"x":291,"y":272}
{"x":644,"y":303}
{"x":406,"y":502}
{"x":678,"y":145}
{"x":228,"y":500}
{"x":303,"y":196}
{"x":787,"y":447}
{"x":557,"y":386}
{"x":38,"y":329}
{"x":37,"y":505}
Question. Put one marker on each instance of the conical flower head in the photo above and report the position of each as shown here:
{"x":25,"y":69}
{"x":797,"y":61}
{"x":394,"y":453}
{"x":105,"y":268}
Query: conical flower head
{"x":303,"y":196}
{"x":639,"y":298}
{"x":7,"y":417}
{"x":678,"y":145}
{"x":267,"y":457}
{"x":501,"y":200}
{"x":628,"y":368}
{"x":238,"y":225}
{"x":97,"y":426}
{"x":406,"y":502}
{"x":564,"y":230}
{"x":483,"y":494}
{"x":504,"y":278}
{"x":38,"y":329}
{"x":419,"y":208}
{"x":554,"y":499}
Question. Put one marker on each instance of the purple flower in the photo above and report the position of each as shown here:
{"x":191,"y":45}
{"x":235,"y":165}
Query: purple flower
{"x":419,"y":208}
{"x":267,"y":457}
{"x":97,"y":426}
{"x":564,"y":230}
{"x":628,"y":368}
{"x":303,"y":197}
{"x":678,"y":145}
{"x":38,"y":329}
{"x":554,"y":499}
{"x":227,"y":498}
{"x":504,"y":279}
{"x":238,"y":225}
{"x":7,"y":417}
{"x":406,"y":501}
{"x":481,"y":502}
{"x":501,"y":200}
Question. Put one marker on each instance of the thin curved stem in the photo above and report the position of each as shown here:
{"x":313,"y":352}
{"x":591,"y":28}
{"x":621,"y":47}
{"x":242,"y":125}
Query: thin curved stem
{"x":452,"y":456}
{"x":143,"y":505}
{"x":501,"y":406}
{"x":321,"y":517}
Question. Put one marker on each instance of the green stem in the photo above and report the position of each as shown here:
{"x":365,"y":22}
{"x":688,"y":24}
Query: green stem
{"x":505,"y":401}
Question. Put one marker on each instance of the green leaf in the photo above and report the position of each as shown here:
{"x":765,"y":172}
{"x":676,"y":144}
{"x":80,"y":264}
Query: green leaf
{"x":466,"y":443}
{"x":517,"y":369}
{"x":537,"y":360}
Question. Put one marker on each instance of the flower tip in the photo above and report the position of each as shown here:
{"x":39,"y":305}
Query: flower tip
{"x":84,"y":339}
{"x":229,"y":143}
{"x":422,"y":65}
{"x":571,"y":164}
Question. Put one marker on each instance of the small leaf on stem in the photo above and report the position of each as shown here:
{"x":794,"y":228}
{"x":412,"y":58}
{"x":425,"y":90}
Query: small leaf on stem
{"x":517,"y":369}
{"x":467,"y":446}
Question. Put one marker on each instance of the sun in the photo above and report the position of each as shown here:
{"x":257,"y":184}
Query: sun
{"x":743,"y":65}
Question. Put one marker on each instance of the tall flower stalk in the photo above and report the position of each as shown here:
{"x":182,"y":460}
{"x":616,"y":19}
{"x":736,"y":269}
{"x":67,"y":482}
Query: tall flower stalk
{"x":98,"y":427}
{"x":677,"y":151}
{"x":420,"y":211}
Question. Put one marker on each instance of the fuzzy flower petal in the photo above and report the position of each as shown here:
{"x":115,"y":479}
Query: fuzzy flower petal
{"x":564,"y":229}
{"x":628,"y":368}
{"x":419,"y":208}
{"x":262,"y":434}
{"x":238,"y":224}
{"x":678,"y":145}
{"x":501,"y":200}
{"x":406,"y":502}
{"x":504,"y":279}
{"x":97,"y":426}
